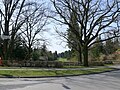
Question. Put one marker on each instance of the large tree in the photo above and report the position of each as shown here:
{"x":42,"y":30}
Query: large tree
{"x":14,"y":15}
{"x":11,"y":21}
{"x":94,"y":17}
{"x":34,"y":25}
{"x":8,"y":20}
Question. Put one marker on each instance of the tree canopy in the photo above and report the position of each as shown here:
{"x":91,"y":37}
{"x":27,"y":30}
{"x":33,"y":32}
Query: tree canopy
{"x":93,"y":18}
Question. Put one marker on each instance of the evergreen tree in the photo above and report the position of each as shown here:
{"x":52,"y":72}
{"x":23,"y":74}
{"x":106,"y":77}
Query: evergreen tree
{"x":36,"y":54}
{"x":109,"y":47}
{"x":55,"y":55}
{"x":19,"y":49}
{"x":116,"y":43}
{"x":73,"y":40}
{"x":19,"y":53}
{"x":50,"y":56}
{"x":43,"y":50}
{"x":97,"y":49}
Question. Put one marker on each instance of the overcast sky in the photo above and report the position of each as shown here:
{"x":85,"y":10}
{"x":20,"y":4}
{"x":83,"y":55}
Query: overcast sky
{"x":55,"y":43}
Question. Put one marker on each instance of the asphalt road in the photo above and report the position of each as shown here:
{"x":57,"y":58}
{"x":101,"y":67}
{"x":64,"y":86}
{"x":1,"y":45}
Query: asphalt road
{"x":103,"y":81}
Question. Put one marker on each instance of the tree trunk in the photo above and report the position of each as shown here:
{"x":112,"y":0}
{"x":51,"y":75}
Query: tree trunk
{"x":80,"y":56}
{"x":11,"y":46}
{"x":85,"y":55}
{"x":5,"y":49}
{"x":5,"y":43}
{"x":29,"y":52}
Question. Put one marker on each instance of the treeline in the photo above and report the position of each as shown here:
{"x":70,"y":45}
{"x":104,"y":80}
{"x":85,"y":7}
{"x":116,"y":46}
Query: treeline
{"x":66,"y":54}
{"x":106,"y":48}
{"x":44,"y":54}
{"x":98,"y":50}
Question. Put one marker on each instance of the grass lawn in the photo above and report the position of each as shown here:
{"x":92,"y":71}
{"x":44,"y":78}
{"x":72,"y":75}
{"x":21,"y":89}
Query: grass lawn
{"x":62,"y":59}
{"x":28,"y":72}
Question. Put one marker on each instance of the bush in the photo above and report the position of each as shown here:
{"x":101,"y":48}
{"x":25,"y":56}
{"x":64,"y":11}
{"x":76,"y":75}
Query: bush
{"x":102,"y":57}
{"x":35,"y":55}
{"x":96,"y":63}
{"x":108,"y":62}
{"x":58,"y":64}
{"x":6,"y":63}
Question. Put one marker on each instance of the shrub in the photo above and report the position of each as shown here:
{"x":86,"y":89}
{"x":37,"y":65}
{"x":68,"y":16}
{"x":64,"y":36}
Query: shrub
{"x":108,"y":62}
{"x":35,"y":55}
{"x":58,"y":64}
{"x":96,"y":63}
{"x":102,"y":57}
{"x":6,"y":63}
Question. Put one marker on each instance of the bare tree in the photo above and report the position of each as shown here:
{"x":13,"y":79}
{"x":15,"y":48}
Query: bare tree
{"x":34,"y":25}
{"x":94,"y":17}
{"x":9,"y":8}
{"x":12,"y":19}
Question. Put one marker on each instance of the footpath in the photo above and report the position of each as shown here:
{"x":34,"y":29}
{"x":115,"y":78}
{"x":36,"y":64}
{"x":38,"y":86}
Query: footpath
{"x":83,"y":68}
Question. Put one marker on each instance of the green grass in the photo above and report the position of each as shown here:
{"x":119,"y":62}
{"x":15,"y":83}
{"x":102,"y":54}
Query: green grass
{"x":62,"y":59}
{"x":28,"y":72}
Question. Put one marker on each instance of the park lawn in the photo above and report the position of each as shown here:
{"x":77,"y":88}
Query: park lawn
{"x":62,"y":59}
{"x":35,"y":73}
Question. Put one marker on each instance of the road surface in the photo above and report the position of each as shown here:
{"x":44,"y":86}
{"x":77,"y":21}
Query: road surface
{"x":103,"y":81}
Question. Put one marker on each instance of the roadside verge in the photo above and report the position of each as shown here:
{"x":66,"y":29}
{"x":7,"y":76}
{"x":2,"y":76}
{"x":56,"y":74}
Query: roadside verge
{"x":45,"y":73}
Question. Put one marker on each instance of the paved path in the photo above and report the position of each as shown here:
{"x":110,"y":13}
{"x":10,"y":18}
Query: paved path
{"x":103,"y":81}
{"x":28,"y":68}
